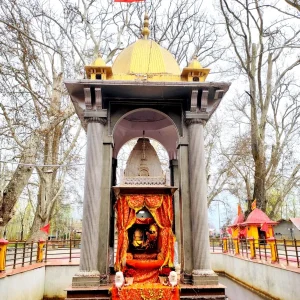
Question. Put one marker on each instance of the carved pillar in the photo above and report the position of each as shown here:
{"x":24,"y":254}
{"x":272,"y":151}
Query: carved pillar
{"x":185,"y":215}
{"x":202,"y":273}
{"x":112,"y":216}
{"x":89,"y":274}
{"x":105,"y":209}
{"x":175,"y":182}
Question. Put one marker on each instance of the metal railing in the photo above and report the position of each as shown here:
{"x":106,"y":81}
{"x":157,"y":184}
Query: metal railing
{"x":63,"y":250}
{"x":22,"y":253}
{"x":273,"y":250}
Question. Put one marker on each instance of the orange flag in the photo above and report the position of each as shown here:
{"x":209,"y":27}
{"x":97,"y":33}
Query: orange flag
{"x":253,"y":205}
{"x":229,"y":230}
{"x":243,"y":231}
{"x":46,"y":228}
{"x":264,"y":227}
{"x":239,"y":209}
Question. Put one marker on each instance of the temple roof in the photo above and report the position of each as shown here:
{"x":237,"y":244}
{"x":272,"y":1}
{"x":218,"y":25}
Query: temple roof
{"x":296,"y":222}
{"x":145,"y":57}
{"x":99,"y":62}
{"x":146,"y":60}
{"x":238,"y":220}
{"x":257,"y":216}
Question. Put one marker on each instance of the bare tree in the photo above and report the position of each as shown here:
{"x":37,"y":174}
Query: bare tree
{"x":35,"y":108}
{"x":294,"y":3}
{"x":265,"y":53}
{"x":219,"y":169}
{"x":181,"y":26}
{"x":42,"y":45}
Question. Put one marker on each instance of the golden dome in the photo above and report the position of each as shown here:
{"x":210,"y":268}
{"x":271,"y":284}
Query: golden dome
{"x":145,"y":57}
{"x":194,"y":71}
{"x":99,"y":62}
{"x":194,"y":64}
{"x":98,"y":70}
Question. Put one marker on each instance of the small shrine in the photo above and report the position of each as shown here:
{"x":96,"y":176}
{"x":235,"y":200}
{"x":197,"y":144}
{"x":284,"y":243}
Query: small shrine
{"x":132,"y":227}
{"x":235,"y":229}
{"x":258,"y":225}
{"x":144,"y":214}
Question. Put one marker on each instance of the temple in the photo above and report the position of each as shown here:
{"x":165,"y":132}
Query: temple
{"x":145,"y":95}
{"x":257,"y":225}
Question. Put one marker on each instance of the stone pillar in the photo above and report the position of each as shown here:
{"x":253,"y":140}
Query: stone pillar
{"x":89,"y":274}
{"x":185,"y":215}
{"x":105,"y":208}
{"x":202,"y":273}
{"x":175,"y":182}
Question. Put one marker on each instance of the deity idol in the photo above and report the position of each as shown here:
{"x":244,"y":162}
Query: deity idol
{"x":138,"y":241}
{"x":152,"y":235}
{"x":119,"y":279}
{"x":173,"y":278}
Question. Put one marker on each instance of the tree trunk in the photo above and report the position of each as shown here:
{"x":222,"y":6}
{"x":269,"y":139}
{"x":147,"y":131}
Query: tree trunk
{"x":18,"y":182}
{"x":47,"y":197}
{"x":35,"y":232}
{"x":259,"y":188}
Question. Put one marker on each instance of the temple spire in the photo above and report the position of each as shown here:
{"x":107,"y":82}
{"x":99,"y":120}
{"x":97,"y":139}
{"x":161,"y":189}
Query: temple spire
{"x":146,"y":30}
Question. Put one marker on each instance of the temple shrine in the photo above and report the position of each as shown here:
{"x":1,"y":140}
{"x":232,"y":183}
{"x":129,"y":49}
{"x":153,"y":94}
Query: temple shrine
{"x":138,"y":226}
{"x":235,"y":229}
{"x":258,"y":225}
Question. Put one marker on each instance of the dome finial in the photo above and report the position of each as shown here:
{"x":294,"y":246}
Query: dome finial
{"x":146,"y":30}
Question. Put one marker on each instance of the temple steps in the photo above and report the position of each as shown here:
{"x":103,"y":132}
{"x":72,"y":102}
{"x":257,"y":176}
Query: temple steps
{"x":202,"y":292}
{"x":89,"y":293}
{"x":203,"y":298}
{"x":187,"y":292}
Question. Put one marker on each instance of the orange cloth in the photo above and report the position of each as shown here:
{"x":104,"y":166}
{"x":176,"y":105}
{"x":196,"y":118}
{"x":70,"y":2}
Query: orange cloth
{"x":146,"y":275}
{"x":144,"y":264}
{"x":145,"y":270}
{"x":144,"y":221}
{"x":149,"y":291}
{"x":143,"y":256}
{"x":161,"y":208}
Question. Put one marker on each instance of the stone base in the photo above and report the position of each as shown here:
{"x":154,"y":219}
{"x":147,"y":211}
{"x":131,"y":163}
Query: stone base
{"x":187,"y":292}
{"x":186,"y":278}
{"x":88,"y":293}
{"x":85,"y":281}
{"x":202,"y":292}
{"x":211,"y":279}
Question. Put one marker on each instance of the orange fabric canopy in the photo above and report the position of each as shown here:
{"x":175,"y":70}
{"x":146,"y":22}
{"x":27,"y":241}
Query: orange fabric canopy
{"x":161,"y":208}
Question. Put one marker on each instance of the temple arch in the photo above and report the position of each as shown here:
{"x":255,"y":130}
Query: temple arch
{"x":155,"y":125}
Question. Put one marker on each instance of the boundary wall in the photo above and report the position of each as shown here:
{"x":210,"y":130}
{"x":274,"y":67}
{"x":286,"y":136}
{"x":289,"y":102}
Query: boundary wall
{"x":28,"y":285}
{"x":49,"y":281}
{"x":271,"y":280}
{"x":37,"y":283}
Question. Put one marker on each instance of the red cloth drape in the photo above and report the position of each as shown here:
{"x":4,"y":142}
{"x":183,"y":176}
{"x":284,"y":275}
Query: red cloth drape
{"x":161,"y":208}
{"x":146,"y":291}
{"x":125,"y":219}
